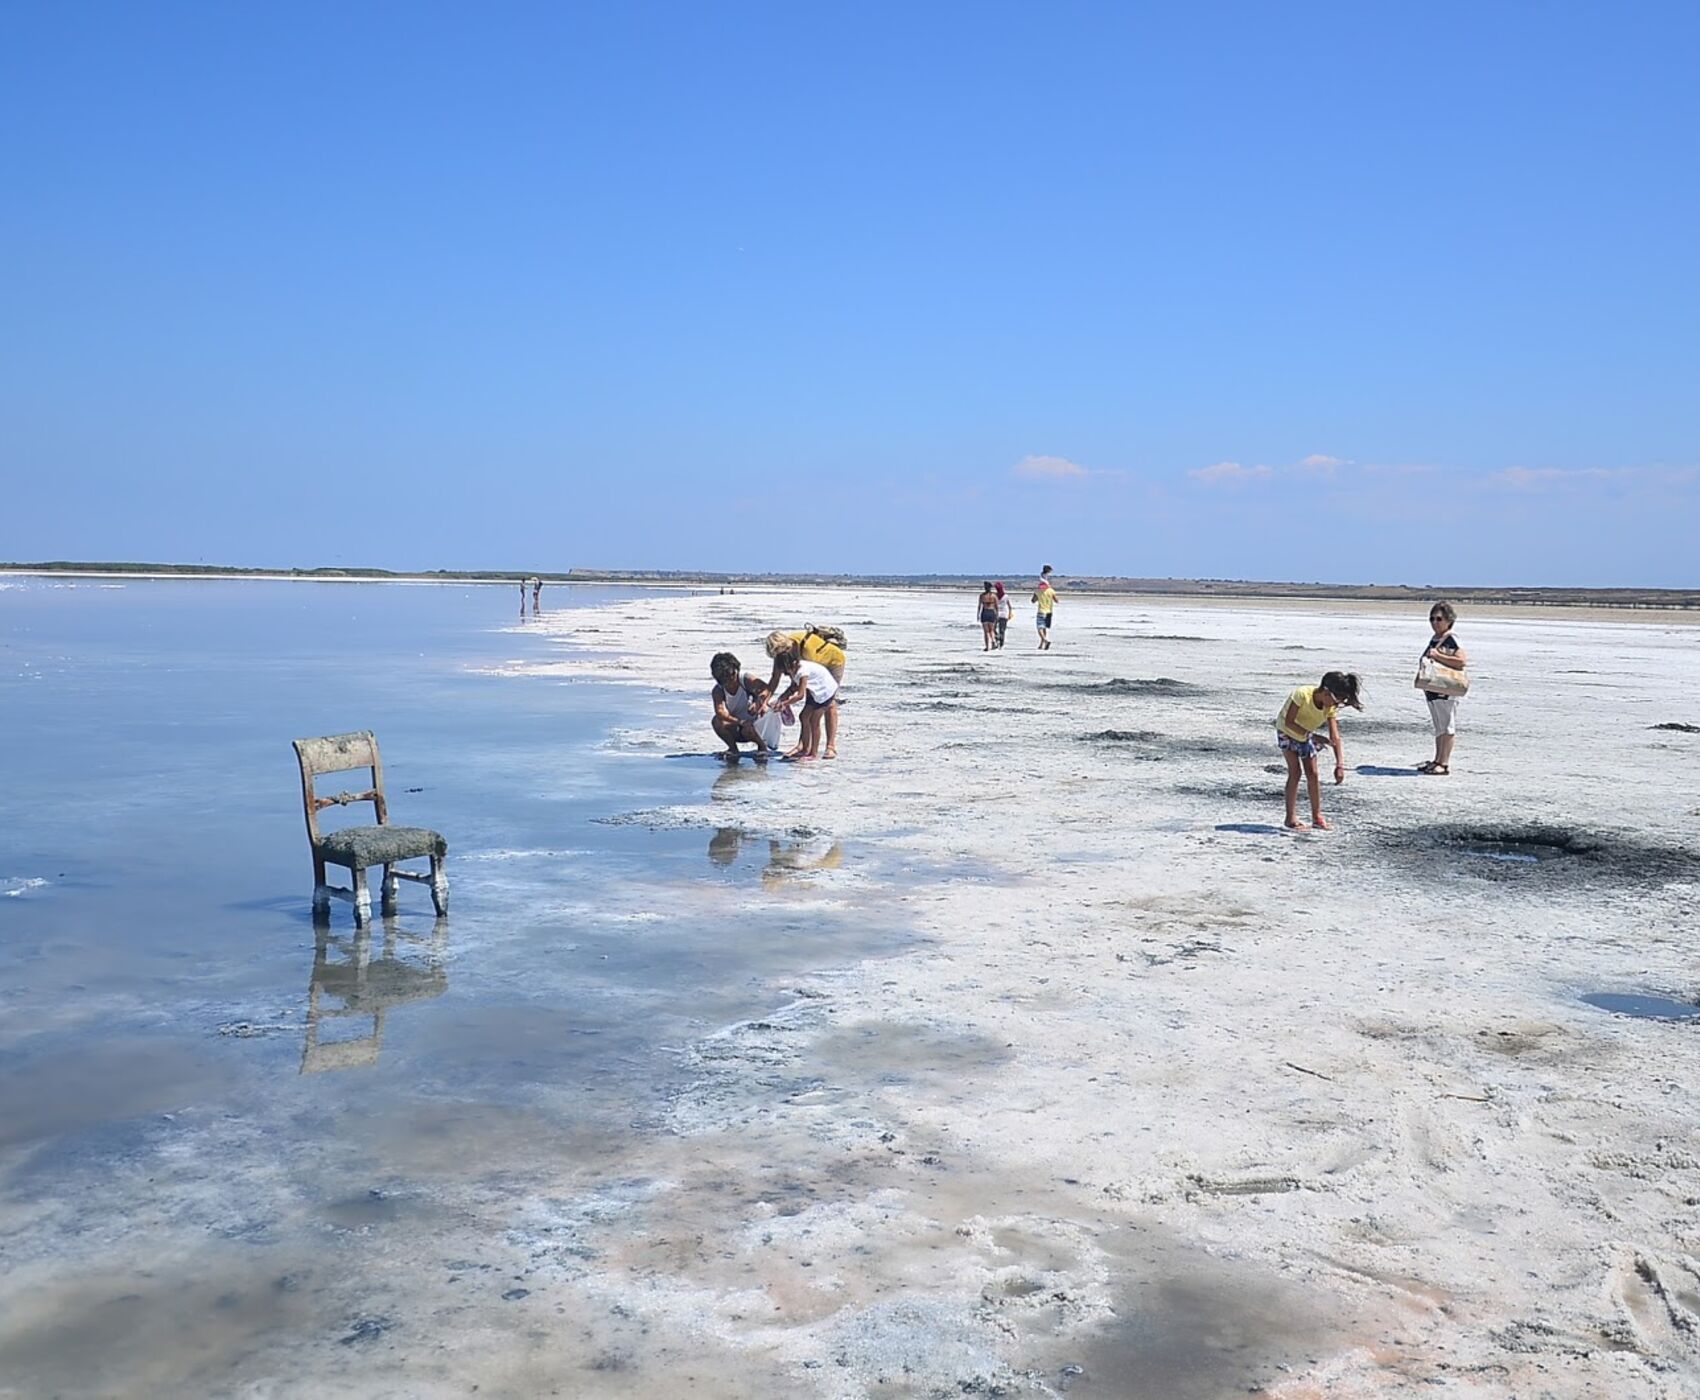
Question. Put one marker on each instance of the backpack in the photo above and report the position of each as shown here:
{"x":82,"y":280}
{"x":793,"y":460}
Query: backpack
{"x":835,"y":635}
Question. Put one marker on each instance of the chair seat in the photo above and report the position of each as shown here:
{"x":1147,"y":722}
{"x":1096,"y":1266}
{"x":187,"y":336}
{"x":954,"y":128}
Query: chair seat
{"x":360,"y":847}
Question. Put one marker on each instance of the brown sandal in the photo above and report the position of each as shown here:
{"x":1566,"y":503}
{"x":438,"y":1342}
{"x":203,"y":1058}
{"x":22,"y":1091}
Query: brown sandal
{"x":1436,"y":770}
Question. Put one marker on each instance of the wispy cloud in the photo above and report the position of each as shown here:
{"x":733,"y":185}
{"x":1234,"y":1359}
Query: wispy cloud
{"x":1226,"y":473}
{"x":1562,"y":478}
{"x":1323,"y":463}
{"x":1048,"y":469}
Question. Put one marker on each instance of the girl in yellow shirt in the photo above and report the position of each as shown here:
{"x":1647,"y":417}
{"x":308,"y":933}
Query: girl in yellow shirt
{"x":1309,"y":710}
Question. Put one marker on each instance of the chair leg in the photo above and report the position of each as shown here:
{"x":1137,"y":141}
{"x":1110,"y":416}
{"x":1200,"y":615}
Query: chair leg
{"x":391,"y":887}
{"x":362,"y":897}
{"x":439,"y":886}
{"x":321,"y":891}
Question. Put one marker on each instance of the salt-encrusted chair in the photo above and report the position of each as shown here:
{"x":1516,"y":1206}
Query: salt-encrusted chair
{"x":358,"y":848}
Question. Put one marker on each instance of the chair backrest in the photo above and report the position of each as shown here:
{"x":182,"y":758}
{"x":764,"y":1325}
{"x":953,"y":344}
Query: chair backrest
{"x":338,"y":753}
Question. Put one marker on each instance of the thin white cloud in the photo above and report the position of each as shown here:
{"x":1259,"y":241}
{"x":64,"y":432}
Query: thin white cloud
{"x":1545,"y":478}
{"x":1048,"y":469}
{"x":1322,"y":462}
{"x":1221,"y":473}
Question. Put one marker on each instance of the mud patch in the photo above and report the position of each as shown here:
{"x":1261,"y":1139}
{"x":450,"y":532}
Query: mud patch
{"x":1678,"y":727}
{"x":902,"y":1052}
{"x":1643,"y":1005}
{"x":1118,"y":685}
{"x":1235,"y":791}
{"x":1543,"y":852}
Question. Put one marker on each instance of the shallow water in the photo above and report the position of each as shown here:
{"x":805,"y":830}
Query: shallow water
{"x":1643,"y":1005}
{"x":222,"y":1127}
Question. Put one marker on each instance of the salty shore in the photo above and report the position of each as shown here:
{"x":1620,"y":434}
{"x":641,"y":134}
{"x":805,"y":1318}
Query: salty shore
{"x":1181,"y":1102}
{"x":1015,"y":1052}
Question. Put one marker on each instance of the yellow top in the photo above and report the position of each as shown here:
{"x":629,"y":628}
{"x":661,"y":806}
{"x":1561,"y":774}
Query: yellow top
{"x":828,"y":654}
{"x":1047,"y":598}
{"x":1311,"y":717}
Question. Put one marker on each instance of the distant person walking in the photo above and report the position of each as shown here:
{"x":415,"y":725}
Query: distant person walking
{"x":1005,"y":610}
{"x":988,"y":615}
{"x":1045,"y":601}
{"x":1442,"y":663}
{"x":536,"y":594}
{"x":1309,"y":710}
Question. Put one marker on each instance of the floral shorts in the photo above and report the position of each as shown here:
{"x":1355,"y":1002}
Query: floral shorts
{"x":1306,"y":749}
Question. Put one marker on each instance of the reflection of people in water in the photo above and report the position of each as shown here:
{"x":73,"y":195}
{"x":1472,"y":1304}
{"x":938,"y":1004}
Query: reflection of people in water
{"x":346,"y":972}
{"x":724,"y":845}
{"x":784,"y":858}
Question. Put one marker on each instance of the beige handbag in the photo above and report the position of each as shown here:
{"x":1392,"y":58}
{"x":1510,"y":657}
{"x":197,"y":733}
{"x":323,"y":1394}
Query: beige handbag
{"x":1441,"y":680}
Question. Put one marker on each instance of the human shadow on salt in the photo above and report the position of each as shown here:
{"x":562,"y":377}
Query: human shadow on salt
{"x":1373,"y":770}
{"x":1251,"y":828}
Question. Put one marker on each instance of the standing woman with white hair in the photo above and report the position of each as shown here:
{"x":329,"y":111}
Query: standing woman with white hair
{"x":1441,"y":678}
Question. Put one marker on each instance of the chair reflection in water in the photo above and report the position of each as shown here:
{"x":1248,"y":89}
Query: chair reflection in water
{"x":350,"y":983}
{"x":358,"y":848}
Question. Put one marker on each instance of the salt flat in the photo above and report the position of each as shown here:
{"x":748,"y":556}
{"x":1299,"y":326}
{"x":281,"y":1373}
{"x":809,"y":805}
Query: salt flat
{"x":1011,"y":1053}
{"x":1163,"y":1107}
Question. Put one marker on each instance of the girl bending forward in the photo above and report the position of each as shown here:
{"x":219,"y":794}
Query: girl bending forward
{"x":1309,"y":710}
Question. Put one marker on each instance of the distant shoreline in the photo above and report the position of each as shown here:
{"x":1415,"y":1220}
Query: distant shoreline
{"x":1638,"y":600}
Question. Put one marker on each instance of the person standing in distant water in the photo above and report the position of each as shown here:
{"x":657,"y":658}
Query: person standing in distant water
{"x":1005,"y":609}
{"x":536,"y":593}
{"x":1045,"y":599}
{"x":1442,"y":709}
{"x":988,"y":615}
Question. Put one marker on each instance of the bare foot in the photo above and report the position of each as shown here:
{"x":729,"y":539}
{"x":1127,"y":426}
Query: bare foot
{"x":795,"y":753}
{"x":1323,"y":824}
{"x":1294,"y":824}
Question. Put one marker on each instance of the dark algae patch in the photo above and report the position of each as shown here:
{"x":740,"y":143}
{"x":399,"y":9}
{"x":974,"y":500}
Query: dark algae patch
{"x":1679,"y":727}
{"x":1547,"y":852}
{"x":1640,"y":1004}
{"x":1162,"y":685}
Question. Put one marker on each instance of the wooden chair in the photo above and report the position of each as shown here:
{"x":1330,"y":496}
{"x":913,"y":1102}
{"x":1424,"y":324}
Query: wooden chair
{"x":358,"y":848}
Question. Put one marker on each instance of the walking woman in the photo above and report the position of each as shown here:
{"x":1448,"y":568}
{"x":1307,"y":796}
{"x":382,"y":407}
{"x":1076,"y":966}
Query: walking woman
{"x":1448,"y":661}
{"x":1006,"y":610}
{"x":988,"y":615}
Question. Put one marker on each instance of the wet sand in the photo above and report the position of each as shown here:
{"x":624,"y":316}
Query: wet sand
{"x":1016,"y":1052}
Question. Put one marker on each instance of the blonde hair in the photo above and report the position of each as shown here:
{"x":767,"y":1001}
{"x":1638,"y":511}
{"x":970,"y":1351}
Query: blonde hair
{"x":778,"y":642}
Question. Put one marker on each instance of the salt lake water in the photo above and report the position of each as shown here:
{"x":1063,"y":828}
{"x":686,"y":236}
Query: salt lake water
{"x":236,"y":1156}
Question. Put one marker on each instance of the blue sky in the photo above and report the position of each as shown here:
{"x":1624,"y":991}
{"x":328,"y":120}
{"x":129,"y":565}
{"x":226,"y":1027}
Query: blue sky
{"x":1337,"y":292}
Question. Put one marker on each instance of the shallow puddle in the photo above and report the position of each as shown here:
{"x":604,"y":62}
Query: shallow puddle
{"x":1643,"y":1005}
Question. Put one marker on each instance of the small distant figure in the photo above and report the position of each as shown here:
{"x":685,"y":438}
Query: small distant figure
{"x":1006,"y":610}
{"x":814,"y":685}
{"x":536,"y":595}
{"x":1045,"y":600}
{"x":522,"y":597}
{"x":1444,"y":651}
{"x":988,"y":606}
{"x":739,"y":716}
{"x":1309,"y":710}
